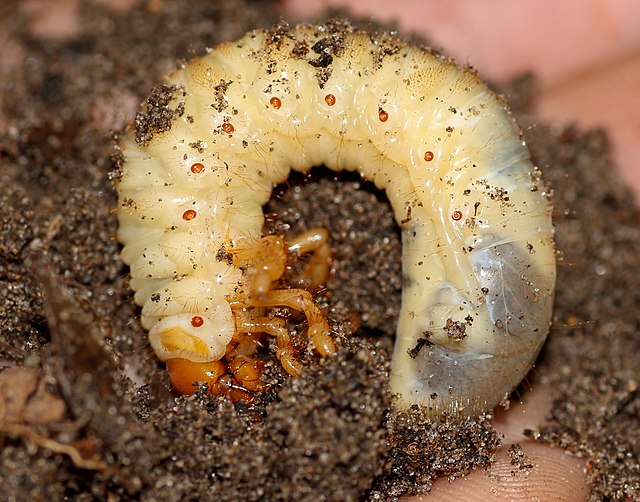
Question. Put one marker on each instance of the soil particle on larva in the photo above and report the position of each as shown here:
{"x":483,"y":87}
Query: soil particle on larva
{"x":157,"y":114}
{"x":67,"y":317}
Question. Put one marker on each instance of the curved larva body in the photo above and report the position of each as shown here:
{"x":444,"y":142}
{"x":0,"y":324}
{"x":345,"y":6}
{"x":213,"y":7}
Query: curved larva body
{"x":478,"y":255}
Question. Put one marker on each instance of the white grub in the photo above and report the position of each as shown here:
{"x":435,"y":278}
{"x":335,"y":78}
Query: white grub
{"x":478,"y":252}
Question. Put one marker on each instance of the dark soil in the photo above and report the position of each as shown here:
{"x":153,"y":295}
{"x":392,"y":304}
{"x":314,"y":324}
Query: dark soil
{"x":73,"y":425}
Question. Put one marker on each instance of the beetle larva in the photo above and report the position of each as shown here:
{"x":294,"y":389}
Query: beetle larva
{"x":210,"y":144}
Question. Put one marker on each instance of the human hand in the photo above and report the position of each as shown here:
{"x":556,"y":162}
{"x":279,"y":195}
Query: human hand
{"x":587,"y":62}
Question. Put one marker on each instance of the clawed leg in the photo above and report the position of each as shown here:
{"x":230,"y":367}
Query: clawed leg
{"x":273,"y":326}
{"x":265,"y":263}
{"x":301,"y":300}
{"x":298,"y":299}
{"x":316,"y":242}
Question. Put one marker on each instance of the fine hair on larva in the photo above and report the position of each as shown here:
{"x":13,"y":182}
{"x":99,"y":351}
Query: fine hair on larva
{"x":211,"y":142}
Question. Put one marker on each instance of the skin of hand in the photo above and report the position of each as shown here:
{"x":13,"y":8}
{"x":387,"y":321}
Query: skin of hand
{"x":587,"y":59}
{"x":585,"y":56}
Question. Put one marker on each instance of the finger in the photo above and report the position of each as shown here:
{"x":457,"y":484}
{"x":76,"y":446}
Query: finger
{"x":506,"y":38}
{"x":587,"y":60}
{"x":546,"y":474}
{"x":606,"y":95}
{"x":60,"y":19}
{"x":526,"y":470}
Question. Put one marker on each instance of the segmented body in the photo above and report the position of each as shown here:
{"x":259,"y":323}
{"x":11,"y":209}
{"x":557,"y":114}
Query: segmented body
{"x":478,"y":254}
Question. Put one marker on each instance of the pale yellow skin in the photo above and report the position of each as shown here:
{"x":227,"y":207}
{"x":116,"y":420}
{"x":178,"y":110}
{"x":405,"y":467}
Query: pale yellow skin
{"x":477,"y":235}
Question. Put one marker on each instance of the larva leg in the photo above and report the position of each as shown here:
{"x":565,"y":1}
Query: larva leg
{"x":247,"y":323}
{"x":245,"y":343}
{"x":274,"y":327}
{"x":316,"y":242}
{"x":301,"y":300}
{"x":265,"y":262}
{"x":247,"y":371}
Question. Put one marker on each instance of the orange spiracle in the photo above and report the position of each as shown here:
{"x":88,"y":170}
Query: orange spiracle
{"x":330,"y":99}
{"x":189,"y":214}
{"x":197,"y":168}
{"x":275,"y":102}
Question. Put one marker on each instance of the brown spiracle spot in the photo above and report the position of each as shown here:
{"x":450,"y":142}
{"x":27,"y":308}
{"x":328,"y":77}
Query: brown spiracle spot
{"x":189,"y":215}
{"x":275,"y":102}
